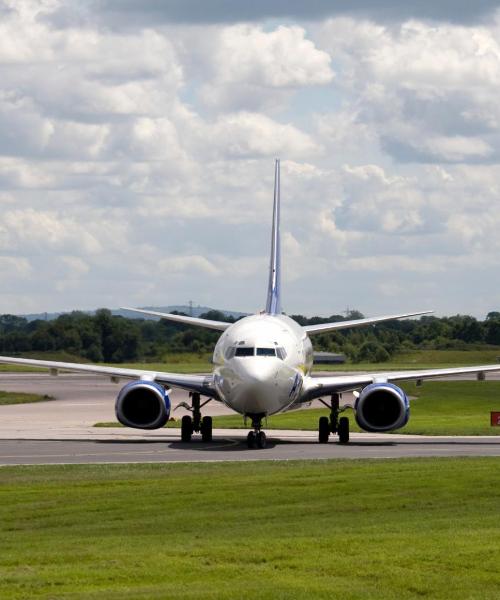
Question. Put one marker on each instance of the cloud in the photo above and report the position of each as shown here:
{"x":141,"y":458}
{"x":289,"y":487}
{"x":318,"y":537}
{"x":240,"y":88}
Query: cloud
{"x":423,"y":93}
{"x":254,"y":135}
{"x":136,"y":156}
{"x":254,"y":68}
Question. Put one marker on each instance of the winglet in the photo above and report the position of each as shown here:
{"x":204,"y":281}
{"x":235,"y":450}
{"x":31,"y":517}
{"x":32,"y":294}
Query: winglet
{"x":273,"y":305}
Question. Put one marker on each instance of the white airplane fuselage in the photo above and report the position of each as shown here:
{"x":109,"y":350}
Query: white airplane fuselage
{"x":260,"y":363}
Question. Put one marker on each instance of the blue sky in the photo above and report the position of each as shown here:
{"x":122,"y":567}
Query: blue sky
{"x":137,"y":143}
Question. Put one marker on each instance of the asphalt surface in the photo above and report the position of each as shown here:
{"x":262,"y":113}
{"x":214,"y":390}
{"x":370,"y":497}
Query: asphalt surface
{"x":61,"y":431}
{"x":232,"y":447}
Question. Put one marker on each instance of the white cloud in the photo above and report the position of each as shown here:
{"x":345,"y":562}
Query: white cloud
{"x":137,"y":162}
{"x":253,"y":67}
{"x":430,"y":91}
{"x":174,"y":265}
{"x":253,"y":135}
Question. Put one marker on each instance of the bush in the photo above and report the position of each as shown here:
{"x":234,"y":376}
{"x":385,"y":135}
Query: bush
{"x":372,"y":352}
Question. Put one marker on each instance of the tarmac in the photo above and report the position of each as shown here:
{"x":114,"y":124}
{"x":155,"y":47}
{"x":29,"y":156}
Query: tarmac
{"x":61,"y":431}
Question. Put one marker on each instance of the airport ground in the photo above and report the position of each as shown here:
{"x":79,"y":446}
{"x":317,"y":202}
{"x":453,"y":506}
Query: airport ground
{"x":228,"y":522}
{"x":62,"y":431}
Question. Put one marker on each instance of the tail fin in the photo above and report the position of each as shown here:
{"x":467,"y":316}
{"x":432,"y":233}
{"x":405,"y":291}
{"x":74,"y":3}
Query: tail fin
{"x":273,"y":306}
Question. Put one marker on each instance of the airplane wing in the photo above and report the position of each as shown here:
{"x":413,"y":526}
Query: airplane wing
{"x":219,"y":325}
{"x":324,"y":327}
{"x":193,"y":383}
{"x":315,"y":387}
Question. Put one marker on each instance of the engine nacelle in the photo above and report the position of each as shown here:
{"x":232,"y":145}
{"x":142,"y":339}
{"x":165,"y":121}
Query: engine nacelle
{"x":143,"y":405}
{"x":382,"y":407}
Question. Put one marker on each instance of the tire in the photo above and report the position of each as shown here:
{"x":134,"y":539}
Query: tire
{"x":206,"y":429}
{"x":323,"y":430}
{"x":186,"y":428}
{"x":343,"y":430}
{"x":261,"y":440}
{"x":251,"y":439}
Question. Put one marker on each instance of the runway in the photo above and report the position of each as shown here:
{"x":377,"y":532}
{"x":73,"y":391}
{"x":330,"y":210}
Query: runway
{"x":62,"y":431}
{"x":230,"y":446}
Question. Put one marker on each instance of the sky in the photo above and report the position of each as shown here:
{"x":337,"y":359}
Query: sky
{"x":137,"y":147}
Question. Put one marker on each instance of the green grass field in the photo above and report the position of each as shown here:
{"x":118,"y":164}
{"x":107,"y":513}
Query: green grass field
{"x":195,"y":363}
{"x":398,"y":529}
{"x":437,"y":408}
{"x":21,"y":398}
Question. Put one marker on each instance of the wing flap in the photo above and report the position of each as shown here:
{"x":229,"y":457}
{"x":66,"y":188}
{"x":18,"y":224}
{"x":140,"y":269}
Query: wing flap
{"x":193,"y":383}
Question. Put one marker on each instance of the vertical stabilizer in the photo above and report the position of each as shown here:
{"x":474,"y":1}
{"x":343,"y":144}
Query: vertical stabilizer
{"x":273,"y":306}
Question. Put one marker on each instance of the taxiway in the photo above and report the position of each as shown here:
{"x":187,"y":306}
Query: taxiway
{"x":62,"y":431}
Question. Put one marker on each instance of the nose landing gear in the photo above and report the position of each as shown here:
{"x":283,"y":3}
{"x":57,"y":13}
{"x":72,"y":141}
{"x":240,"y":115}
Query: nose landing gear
{"x":334,"y":424}
{"x":191,"y":424}
{"x":256,"y":438}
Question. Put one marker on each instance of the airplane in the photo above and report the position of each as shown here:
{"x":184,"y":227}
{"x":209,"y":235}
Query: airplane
{"x":262,"y":366}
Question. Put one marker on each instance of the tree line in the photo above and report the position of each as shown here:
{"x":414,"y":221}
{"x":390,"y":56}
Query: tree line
{"x":103,"y":337}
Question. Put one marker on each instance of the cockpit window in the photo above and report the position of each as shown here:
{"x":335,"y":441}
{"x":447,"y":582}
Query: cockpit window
{"x":230,"y":352}
{"x":266,"y":352}
{"x":244,"y":351}
{"x":281,"y":352}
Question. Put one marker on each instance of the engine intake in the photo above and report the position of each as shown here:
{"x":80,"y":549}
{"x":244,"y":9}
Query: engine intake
{"x":143,"y":405}
{"x":382,"y":407}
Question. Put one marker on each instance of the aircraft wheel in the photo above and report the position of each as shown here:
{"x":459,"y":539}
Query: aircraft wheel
{"x":186,"y":428}
{"x":261,"y":440}
{"x":323,"y":430}
{"x":251,"y":439}
{"x":343,"y":430}
{"x":206,"y":429}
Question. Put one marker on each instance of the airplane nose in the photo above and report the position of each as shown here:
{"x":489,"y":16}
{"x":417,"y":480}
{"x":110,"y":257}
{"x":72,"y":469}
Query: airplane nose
{"x":257,"y":371}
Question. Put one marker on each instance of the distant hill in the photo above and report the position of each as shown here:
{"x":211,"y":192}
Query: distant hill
{"x":195,"y":311}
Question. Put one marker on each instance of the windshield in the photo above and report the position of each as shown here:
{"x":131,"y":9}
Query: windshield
{"x":244,"y":351}
{"x":266,"y":352}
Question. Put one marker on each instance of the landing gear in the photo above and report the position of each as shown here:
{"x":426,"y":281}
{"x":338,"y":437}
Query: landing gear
{"x":206,"y":429}
{"x":191,"y":424}
{"x":334,"y":424}
{"x":323,"y":430}
{"x":256,"y":438}
{"x":186,"y":428}
{"x":261,"y":440}
{"x":343,"y":430}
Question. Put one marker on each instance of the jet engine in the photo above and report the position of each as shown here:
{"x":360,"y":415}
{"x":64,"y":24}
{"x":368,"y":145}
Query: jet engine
{"x":143,"y":405}
{"x":382,"y":407}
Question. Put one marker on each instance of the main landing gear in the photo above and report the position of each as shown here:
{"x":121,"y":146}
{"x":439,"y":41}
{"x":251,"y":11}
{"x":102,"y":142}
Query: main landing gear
{"x":256,"y":438}
{"x":334,"y":424}
{"x":191,"y":424}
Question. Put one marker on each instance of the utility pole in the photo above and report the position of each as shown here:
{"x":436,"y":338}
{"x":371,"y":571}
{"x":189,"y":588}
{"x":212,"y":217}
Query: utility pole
{"x":191,"y":308}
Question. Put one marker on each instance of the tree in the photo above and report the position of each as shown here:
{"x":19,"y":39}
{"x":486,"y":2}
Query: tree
{"x":372,"y":351}
{"x":493,"y":331}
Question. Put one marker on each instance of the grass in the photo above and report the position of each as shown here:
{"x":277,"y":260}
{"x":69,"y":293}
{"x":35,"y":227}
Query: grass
{"x":397,"y":529}
{"x":418,"y":359}
{"x":184,"y":362}
{"x":423,"y":359}
{"x":4,"y":368}
{"x":21,"y":398}
{"x":437,"y":408}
